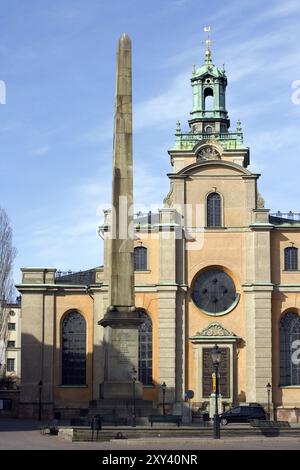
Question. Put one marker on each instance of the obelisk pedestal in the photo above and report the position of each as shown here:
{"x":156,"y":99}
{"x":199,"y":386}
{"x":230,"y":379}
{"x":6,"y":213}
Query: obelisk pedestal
{"x":121,"y":361}
{"x":121,"y":320}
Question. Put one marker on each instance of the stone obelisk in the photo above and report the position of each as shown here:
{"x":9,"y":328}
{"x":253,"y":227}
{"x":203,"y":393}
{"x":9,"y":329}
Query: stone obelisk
{"x":121,"y":319}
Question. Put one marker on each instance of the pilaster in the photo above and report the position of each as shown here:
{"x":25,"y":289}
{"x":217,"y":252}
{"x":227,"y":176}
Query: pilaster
{"x":258,"y":295}
{"x":37,"y":339}
{"x":167,"y":290}
{"x":258,"y":341}
{"x":167,"y":340}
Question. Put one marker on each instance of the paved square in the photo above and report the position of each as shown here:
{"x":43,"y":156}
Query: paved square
{"x":25,"y":435}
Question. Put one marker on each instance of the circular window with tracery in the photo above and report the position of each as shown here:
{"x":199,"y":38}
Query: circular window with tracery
{"x":214,"y":292}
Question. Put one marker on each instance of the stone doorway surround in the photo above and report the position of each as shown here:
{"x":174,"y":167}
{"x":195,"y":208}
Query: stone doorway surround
{"x":212,"y":334}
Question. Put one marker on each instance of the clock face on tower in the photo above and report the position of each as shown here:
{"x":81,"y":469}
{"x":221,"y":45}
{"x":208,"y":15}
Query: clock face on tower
{"x":214,"y":292}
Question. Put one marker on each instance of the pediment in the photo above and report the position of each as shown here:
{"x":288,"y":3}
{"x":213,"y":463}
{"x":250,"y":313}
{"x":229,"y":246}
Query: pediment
{"x":214,"y":166}
{"x":215,"y":329}
{"x":214,"y":332}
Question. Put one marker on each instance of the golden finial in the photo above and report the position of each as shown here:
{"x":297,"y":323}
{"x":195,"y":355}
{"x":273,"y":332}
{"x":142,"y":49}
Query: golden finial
{"x":208,"y":42}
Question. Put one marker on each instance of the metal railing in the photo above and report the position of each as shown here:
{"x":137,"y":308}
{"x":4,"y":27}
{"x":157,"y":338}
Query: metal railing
{"x":287,"y":215}
{"x":60,"y":273}
{"x":207,"y":136}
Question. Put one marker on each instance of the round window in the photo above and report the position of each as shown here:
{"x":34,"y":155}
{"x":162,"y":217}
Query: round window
{"x":214,"y":292}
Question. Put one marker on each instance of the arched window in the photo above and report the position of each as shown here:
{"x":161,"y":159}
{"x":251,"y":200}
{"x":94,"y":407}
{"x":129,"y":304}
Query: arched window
{"x":208,"y":129}
{"x":140,"y":258}
{"x":290,"y":349}
{"x":208,"y":99}
{"x":291,"y":259}
{"x":145,"y":350}
{"x":214,"y":213}
{"x":73,"y":349}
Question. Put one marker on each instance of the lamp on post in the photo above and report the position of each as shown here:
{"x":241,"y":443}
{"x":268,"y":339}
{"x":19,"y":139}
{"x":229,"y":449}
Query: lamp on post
{"x":164,"y":386}
{"x":134,"y":378}
{"x":40,"y":385}
{"x":216,"y":358}
{"x":269,"y":388}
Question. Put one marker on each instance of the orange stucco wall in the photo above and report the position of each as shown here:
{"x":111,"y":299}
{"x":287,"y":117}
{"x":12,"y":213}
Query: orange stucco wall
{"x":281,"y":239}
{"x":282,"y":302}
{"x":226,"y":252}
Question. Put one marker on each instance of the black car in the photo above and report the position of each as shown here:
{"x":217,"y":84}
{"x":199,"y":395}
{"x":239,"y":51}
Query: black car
{"x":243,"y":414}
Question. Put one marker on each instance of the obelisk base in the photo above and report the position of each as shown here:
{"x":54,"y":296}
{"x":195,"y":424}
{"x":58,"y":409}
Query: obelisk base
{"x":122,"y":355}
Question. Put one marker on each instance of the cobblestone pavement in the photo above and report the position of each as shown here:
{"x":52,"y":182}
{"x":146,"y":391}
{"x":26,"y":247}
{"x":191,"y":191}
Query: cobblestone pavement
{"x":25,"y":435}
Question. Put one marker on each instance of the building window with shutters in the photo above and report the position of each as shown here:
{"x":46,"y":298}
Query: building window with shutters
{"x":291,"y":259}
{"x":74,"y":349}
{"x":140,"y":258}
{"x":214,"y":210}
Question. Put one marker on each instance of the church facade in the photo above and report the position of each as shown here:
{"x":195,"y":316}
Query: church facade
{"x":211,"y":266}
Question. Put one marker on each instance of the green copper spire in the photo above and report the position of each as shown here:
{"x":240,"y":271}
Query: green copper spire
{"x":209,"y":117}
{"x":209,"y":81}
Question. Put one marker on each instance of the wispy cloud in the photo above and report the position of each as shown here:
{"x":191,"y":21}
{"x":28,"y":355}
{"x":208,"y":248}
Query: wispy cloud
{"x":173,"y":103}
{"x":286,"y":8}
{"x":164,"y":108}
{"x":102,"y":133}
{"x":38,"y":152}
{"x":287,"y":138}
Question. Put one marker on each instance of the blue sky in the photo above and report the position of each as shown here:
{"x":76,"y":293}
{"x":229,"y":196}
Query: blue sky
{"x":58,"y":62}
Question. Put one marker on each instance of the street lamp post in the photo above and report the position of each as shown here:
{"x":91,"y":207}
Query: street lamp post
{"x":216,"y":358}
{"x":164,"y":386}
{"x":40,"y":385}
{"x":269,"y":387}
{"x":134,"y":378}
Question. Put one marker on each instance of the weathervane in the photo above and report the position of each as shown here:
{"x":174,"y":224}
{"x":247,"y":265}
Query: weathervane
{"x":208,"y":43}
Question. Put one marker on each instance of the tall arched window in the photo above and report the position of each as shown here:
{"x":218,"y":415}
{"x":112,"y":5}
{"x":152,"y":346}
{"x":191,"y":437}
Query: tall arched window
{"x":214,"y":212}
{"x":291,"y":258}
{"x":145,"y":350}
{"x":290,"y":349}
{"x":140,"y":258}
{"x":74,"y":349}
{"x":208,"y":99}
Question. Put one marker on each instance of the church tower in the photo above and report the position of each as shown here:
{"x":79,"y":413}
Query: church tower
{"x":209,"y":124}
{"x":209,"y":83}
{"x":226,"y":235}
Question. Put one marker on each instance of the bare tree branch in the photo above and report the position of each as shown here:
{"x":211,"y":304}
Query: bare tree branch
{"x":7,"y":256}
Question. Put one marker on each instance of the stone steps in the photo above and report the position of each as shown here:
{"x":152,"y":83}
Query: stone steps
{"x":166,"y":431}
